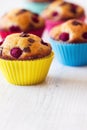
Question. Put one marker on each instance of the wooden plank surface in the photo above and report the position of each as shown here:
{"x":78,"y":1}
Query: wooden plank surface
{"x":58,"y":103}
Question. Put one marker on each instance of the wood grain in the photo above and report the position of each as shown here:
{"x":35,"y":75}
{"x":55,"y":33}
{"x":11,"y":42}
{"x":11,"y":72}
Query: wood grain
{"x":58,"y":103}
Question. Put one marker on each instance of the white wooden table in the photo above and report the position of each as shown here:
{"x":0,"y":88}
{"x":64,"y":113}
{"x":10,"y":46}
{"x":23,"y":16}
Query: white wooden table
{"x":59,"y":103}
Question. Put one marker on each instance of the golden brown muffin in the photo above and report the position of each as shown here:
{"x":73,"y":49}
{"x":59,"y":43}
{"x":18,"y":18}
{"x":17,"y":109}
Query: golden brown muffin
{"x":24,"y":46}
{"x":72,"y":31}
{"x":61,"y":10}
{"x":21,"y":19}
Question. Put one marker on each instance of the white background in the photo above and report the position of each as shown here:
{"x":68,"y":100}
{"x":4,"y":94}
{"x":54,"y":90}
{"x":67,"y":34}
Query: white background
{"x":59,"y":103}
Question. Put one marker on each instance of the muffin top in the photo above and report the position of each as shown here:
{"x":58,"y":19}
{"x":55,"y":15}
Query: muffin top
{"x":61,"y":10}
{"x":24,"y":46}
{"x":72,"y":31}
{"x":21,"y":20}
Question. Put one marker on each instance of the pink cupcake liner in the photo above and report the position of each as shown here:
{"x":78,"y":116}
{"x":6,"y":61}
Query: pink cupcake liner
{"x":4,"y":33}
{"x":37,"y":32}
{"x":50,"y":24}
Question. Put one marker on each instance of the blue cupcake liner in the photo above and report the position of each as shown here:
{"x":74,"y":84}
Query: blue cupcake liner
{"x":70,"y":54}
{"x":35,"y":6}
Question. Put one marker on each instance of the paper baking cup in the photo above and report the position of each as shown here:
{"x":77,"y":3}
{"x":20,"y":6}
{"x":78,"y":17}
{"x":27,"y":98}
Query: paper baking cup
{"x":38,"y":32}
{"x":3,"y":34}
{"x":70,"y":54}
{"x":36,"y":7}
{"x":26,"y":72}
{"x":50,"y":24}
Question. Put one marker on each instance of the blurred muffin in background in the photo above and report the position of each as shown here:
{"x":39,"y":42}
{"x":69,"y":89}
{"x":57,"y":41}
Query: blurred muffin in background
{"x":60,"y":11}
{"x":21,"y":20}
{"x":37,"y":6}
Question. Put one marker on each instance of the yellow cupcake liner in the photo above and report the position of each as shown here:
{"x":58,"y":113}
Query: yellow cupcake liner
{"x":26,"y":72}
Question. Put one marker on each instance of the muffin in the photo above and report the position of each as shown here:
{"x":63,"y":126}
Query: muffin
{"x":37,"y":6}
{"x":60,"y":11}
{"x":21,"y":20}
{"x":69,"y":41}
{"x":25,"y":58}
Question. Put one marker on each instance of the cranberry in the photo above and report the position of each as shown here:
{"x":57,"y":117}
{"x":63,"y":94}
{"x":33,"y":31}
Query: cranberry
{"x":55,"y":14}
{"x":73,"y":8}
{"x":44,"y":43}
{"x":16,"y":52}
{"x":35,"y":19}
{"x":76,"y":23}
{"x":14,"y":29}
{"x":85,"y":35}
{"x":64,"y":36}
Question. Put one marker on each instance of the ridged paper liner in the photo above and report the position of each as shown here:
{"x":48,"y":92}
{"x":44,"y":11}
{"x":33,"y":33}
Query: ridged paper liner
{"x":36,"y":7}
{"x":26,"y":72}
{"x":50,"y":23}
{"x":38,"y":32}
{"x":70,"y":53}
